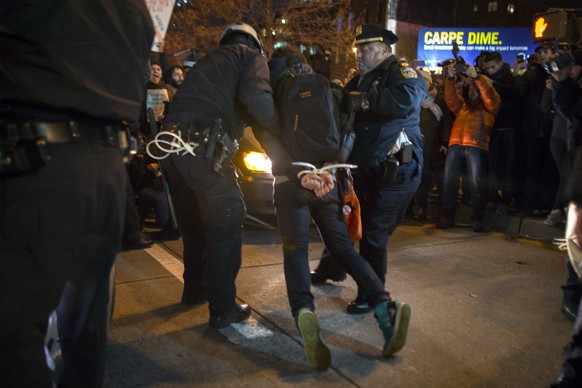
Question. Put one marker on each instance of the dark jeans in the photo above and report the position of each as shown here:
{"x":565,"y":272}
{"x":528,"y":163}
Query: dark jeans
{"x":61,"y":225}
{"x":210,"y":211}
{"x":475,"y":159}
{"x":502,"y":163}
{"x":563,"y":160}
{"x":295,"y":208}
{"x":150,"y":198}
{"x":133,"y":222}
{"x":541,"y":174}
{"x":572,"y":288}
{"x":430,"y":177}
{"x":572,"y":366}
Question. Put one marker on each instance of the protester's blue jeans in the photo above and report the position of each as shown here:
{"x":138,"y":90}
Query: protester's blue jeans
{"x":295,"y":208}
{"x":477,"y":166}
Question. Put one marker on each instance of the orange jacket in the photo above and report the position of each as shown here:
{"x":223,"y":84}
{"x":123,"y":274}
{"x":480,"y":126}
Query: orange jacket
{"x":472,"y":127}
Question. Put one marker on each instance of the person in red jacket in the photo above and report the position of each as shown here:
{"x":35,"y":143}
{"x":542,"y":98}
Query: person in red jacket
{"x":475,"y":108}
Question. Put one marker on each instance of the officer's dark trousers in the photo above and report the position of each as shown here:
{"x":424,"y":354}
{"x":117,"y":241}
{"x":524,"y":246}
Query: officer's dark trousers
{"x":383,"y":204}
{"x":572,"y":366}
{"x":295,"y":208}
{"x":210,"y":211}
{"x":59,"y":226}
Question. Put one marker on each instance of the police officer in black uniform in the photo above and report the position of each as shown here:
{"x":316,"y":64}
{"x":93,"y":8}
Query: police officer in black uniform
{"x":72,"y":78}
{"x":226,"y":89}
{"x":387,"y":97}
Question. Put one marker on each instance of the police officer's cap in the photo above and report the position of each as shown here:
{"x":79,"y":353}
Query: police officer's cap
{"x":368,"y":33}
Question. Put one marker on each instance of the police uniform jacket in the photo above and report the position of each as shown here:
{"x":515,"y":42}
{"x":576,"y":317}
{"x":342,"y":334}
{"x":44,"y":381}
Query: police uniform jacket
{"x":395,"y":93}
{"x":232,"y":83}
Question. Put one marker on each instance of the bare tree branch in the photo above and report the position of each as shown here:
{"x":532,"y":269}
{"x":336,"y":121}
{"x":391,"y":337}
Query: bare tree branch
{"x":324,"y":26}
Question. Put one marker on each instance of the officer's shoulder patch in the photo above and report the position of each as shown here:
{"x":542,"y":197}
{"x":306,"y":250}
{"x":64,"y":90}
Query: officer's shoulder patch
{"x":407,"y":71}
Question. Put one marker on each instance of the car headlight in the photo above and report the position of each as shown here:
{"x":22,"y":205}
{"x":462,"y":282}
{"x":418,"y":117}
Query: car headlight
{"x":257,"y":161}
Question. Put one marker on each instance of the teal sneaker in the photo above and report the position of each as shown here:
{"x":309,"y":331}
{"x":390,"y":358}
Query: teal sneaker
{"x":316,"y":350}
{"x":393,"y":319}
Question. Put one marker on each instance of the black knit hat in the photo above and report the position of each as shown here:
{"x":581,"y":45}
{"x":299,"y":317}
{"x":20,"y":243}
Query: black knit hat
{"x":546,"y":45}
{"x":369,"y":33}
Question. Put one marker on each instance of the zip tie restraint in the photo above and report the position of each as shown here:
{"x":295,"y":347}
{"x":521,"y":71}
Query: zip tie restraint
{"x":311,"y":169}
{"x":175,"y":146}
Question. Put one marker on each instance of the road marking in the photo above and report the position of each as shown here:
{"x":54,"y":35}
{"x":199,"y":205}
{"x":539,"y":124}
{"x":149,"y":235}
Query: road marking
{"x":167,"y":260}
{"x":250,"y":329}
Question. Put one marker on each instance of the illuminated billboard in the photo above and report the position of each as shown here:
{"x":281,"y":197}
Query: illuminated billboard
{"x":435,"y":44}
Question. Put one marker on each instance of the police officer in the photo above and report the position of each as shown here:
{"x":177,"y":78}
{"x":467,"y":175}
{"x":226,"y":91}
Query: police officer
{"x":71,"y":80}
{"x":387,"y":97}
{"x":207,"y":112}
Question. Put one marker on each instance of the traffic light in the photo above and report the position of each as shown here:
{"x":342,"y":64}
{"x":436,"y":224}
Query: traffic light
{"x":560,"y":25}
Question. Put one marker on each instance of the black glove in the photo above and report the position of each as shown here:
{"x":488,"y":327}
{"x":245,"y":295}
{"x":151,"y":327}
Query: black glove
{"x":358,"y":101}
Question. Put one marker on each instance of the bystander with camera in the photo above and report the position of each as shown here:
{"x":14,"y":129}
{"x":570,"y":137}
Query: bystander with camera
{"x":475,"y":109}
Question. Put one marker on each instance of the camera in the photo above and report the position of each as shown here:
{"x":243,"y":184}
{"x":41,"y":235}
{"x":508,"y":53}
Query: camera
{"x":558,"y":63}
{"x":461,"y":67}
{"x":447,"y":62}
{"x":520,"y":58}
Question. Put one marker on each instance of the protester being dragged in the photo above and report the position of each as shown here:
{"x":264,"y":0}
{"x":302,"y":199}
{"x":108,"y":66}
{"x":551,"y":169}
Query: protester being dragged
{"x":298,"y":198}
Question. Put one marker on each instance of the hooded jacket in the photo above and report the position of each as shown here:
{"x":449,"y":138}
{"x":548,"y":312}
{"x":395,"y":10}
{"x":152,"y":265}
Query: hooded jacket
{"x":473,"y":125}
{"x":512,"y":94}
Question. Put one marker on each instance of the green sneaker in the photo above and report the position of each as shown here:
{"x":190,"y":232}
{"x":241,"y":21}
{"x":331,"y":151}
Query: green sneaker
{"x":393,"y":319}
{"x":316,"y":350}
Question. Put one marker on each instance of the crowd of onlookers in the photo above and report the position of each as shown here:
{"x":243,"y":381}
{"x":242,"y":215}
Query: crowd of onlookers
{"x":519,"y":166}
{"x":525,"y":157}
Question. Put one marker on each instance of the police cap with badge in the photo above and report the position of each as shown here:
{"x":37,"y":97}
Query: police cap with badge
{"x":365,"y":34}
{"x":368,"y":33}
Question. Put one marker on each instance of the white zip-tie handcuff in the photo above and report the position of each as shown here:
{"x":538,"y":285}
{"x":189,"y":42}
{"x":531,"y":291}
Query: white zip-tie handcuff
{"x":311,"y":169}
{"x":176,"y":146}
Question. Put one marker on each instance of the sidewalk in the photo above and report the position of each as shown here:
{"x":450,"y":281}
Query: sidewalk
{"x":514,"y":226}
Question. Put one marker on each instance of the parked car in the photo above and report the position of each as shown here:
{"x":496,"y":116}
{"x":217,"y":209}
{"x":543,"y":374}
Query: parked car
{"x":253,"y":168}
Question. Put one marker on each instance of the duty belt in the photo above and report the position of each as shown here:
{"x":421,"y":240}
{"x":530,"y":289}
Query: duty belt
{"x":190,"y":133}
{"x":113,"y":135}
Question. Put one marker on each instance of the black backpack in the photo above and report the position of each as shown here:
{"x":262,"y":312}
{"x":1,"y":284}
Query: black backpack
{"x":310,"y":132}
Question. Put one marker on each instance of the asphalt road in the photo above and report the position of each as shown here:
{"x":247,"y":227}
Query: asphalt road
{"x":486,"y":313}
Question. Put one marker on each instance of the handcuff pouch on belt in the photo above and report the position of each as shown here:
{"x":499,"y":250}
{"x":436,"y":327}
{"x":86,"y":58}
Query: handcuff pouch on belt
{"x":21,"y":155}
{"x":392,"y":162}
{"x":24,"y":144}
